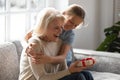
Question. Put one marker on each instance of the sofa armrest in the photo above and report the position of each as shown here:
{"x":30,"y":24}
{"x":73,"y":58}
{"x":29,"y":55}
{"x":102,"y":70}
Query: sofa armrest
{"x":105,"y":61}
{"x":19,"y":48}
{"x":9,"y":66}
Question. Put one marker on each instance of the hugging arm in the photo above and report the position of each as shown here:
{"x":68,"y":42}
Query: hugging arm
{"x":41,"y":74}
{"x":67,"y":38}
{"x":28,"y":35}
{"x":38,"y":58}
{"x":67,"y":42}
{"x":62,"y":54}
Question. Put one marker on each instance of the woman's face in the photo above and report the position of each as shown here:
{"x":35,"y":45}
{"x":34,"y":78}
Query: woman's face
{"x":72,"y":21}
{"x":54,"y":29}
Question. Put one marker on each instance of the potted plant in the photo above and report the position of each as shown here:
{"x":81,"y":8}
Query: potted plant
{"x":112,"y":41}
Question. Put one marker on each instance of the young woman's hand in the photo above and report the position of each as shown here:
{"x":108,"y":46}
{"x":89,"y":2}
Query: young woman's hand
{"x":31,"y":52}
{"x":74,"y":68}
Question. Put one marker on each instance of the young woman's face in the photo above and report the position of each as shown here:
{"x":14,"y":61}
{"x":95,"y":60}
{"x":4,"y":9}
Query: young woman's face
{"x":54,"y":29}
{"x":72,"y":21}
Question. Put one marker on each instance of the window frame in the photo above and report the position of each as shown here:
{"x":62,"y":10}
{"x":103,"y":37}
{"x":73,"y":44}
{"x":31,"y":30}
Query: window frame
{"x":7,"y":13}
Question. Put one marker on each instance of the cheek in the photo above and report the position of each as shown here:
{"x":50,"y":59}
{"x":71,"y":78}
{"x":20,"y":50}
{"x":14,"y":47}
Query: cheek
{"x":67,"y":23}
{"x":50,"y":33}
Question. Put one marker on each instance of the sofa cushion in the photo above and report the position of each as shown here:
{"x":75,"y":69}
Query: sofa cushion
{"x":105,"y":76}
{"x":105,"y":61}
{"x":9,"y":66}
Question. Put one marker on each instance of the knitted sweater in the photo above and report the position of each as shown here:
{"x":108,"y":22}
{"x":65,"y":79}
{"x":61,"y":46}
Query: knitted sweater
{"x":28,"y":70}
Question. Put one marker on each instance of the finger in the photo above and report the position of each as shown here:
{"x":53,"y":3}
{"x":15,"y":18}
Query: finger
{"x":30,"y":45}
{"x":36,"y":61}
{"x":28,"y":52}
{"x":28,"y":55}
{"x":76,"y":62}
{"x":37,"y":56}
{"x":33,"y":45}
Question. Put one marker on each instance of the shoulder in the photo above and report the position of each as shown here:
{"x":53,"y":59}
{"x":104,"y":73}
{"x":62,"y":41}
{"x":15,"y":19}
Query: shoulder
{"x":34,"y":39}
{"x":68,"y":33}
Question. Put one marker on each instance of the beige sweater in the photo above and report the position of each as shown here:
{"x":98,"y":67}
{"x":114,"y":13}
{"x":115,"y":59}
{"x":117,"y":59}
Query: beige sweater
{"x":31,"y":71}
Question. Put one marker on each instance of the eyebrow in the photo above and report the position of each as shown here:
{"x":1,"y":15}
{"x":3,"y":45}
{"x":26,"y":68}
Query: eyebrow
{"x":73,"y":23}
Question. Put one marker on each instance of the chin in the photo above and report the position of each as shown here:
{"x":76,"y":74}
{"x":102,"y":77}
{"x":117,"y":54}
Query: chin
{"x":56,"y":40}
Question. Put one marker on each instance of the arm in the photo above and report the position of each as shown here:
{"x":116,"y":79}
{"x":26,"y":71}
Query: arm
{"x":62,"y":54}
{"x":38,"y":58}
{"x":40,"y":73}
{"x":67,"y":42}
{"x":67,"y":38}
{"x":28,"y":36}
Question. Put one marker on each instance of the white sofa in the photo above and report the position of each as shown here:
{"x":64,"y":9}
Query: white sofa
{"x":107,"y":66}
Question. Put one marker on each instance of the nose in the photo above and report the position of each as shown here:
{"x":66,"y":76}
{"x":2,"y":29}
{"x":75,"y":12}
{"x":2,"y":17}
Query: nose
{"x":60,"y":30}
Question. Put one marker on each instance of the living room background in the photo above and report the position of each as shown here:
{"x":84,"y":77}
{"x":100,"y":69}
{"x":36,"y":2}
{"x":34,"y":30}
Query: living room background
{"x":17,"y":17}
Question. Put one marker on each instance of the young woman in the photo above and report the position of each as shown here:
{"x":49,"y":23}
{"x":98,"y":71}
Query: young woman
{"x":74,"y":16}
{"x":46,"y":38}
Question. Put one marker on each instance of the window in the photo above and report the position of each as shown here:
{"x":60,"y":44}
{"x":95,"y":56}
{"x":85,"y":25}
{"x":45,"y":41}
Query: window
{"x":17,"y":17}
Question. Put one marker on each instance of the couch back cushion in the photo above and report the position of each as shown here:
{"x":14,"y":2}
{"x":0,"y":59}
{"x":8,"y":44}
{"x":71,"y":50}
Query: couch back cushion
{"x":105,"y":61}
{"x":9,"y":66}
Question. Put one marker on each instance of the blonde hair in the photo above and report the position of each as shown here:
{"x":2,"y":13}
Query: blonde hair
{"x":44,"y":17}
{"x":76,"y":10}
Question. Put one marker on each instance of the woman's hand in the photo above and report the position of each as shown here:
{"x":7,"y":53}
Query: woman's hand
{"x":74,"y":68}
{"x":31,"y":51}
{"x":38,"y":56}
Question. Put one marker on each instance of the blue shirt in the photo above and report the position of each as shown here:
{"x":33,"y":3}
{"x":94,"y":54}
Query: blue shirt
{"x":68,"y":38}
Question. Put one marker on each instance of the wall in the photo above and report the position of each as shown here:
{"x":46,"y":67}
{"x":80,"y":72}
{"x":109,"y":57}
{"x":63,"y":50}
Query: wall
{"x":58,"y":4}
{"x":117,"y":11}
{"x":100,"y":16}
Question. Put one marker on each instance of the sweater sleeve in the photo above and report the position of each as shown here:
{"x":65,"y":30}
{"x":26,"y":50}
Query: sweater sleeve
{"x":40,"y":73}
{"x":55,"y":76}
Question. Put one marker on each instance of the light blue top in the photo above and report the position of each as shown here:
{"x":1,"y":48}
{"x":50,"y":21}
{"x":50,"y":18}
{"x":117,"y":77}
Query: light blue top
{"x":68,"y":38}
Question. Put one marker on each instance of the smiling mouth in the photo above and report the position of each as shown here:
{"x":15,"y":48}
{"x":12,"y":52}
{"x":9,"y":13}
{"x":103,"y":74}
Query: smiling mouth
{"x":56,"y":36}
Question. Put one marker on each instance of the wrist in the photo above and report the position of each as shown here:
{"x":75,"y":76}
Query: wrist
{"x":51,"y":59}
{"x":70,"y":70}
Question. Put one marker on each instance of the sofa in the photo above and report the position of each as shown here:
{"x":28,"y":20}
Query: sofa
{"x":107,"y":66}
{"x":9,"y":60}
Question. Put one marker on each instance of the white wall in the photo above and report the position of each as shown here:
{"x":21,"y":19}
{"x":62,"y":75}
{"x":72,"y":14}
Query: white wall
{"x":106,"y":19}
{"x":100,"y":16}
{"x":58,"y":4}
